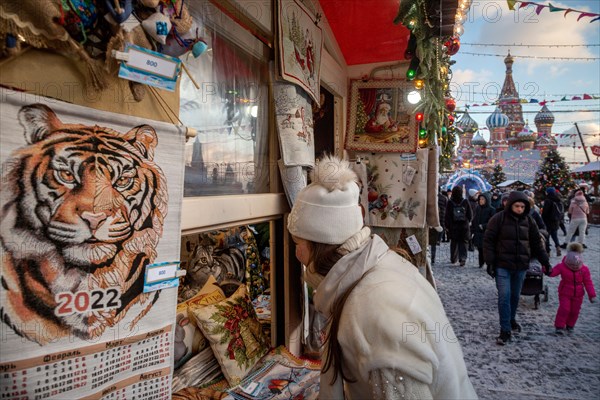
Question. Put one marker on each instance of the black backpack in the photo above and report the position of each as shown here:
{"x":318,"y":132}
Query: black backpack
{"x":459,"y":212}
{"x":557,"y":211}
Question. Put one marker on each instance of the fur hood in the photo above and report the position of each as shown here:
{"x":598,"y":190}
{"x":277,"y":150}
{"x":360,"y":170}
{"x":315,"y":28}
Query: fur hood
{"x":576,"y":247}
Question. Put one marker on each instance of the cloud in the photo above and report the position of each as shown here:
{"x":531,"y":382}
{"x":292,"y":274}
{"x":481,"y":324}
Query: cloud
{"x":556,"y":70}
{"x":465,"y":82}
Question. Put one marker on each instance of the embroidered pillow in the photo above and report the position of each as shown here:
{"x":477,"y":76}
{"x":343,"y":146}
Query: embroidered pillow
{"x":234,"y":333}
{"x":188,"y":338}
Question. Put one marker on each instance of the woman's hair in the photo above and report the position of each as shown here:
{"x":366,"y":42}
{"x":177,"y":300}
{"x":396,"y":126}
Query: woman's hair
{"x":457,"y":194}
{"x":322,"y":258}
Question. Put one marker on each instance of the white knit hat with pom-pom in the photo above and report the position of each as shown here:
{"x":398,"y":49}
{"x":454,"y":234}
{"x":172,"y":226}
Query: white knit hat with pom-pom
{"x":327,"y":210}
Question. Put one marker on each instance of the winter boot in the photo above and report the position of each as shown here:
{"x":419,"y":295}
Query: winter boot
{"x":558,"y":252}
{"x":515,"y":326}
{"x":503,"y":339}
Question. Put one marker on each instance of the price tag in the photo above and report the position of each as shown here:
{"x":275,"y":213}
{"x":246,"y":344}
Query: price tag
{"x":162,"y":275}
{"x":413,"y":244}
{"x":150,"y":68}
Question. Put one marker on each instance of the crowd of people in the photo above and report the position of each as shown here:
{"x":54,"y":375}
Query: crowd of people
{"x":511,"y":233}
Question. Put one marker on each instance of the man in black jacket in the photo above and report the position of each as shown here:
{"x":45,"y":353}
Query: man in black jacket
{"x":510,"y":241}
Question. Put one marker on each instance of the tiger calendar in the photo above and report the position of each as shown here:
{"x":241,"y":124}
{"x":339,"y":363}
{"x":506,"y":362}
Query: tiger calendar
{"x":87,"y":200}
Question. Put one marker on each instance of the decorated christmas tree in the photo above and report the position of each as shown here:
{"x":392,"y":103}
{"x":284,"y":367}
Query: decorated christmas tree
{"x":497,"y":176}
{"x":361,"y":117}
{"x":553,"y":172}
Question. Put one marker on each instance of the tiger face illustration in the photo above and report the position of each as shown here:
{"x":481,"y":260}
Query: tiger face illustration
{"x":82,"y":211}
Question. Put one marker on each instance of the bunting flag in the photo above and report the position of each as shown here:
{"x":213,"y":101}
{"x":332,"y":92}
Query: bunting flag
{"x":539,"y":7}
{"x":585,"y":96}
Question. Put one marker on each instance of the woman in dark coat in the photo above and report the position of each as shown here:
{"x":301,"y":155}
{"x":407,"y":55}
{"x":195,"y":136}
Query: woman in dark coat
{"x":510,"y":241}
{"x":458,"y":227}
{"x":483,"y":212}
{"x":552,"y":214}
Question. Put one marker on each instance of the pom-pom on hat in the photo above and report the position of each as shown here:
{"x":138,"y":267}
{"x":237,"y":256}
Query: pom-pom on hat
{"x":573,"y":258}
{"x":327,"y":210}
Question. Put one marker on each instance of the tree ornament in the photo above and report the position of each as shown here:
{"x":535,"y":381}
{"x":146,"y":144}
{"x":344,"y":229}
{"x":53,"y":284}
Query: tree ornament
{"x":450,"y":104}
{"x":450,"y":119}
{"x":452,"y":45}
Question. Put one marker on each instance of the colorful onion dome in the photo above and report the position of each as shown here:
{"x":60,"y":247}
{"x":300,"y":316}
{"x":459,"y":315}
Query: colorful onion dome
{"x":527,"y":135}
{"x":478,"y":140}
{"x":545,"y":116}
{"x":497,"y":120}
{"x":466,"y":124}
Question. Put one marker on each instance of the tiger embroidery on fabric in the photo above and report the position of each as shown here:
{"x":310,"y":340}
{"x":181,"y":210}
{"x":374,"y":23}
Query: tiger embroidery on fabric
{"x":82,"y":211}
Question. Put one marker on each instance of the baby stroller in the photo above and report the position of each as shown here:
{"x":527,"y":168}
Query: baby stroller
{"x":533,"y":285}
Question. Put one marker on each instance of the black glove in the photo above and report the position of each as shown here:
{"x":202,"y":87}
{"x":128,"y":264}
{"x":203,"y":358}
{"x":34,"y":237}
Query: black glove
{"x":547,"y":269}
{"x":491,"y":271}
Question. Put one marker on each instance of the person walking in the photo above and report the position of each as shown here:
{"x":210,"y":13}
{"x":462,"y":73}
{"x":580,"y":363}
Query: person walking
{"x":496,"y":202}
{"x":382,"y":313}
{"x":442,"y":203}
{"x":578,"y":210}
{"x":437,"y":232}
{"x":503,"y":200}
{"x":552,"y":214}
{"x":458,"y":220}
{"x":537,"y":217}
{"x":483,"y":212}
{"x":575,"y":280}
{"x":510,"y":241}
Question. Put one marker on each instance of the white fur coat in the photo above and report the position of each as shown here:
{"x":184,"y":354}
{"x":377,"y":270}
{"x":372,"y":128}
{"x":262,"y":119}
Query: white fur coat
{"x":393,"y":319}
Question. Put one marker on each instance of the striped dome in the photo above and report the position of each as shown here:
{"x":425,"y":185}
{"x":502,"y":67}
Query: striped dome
{"x":545,"y":116}
{"x":496,"y":120}
{"x":466,"y":123}
{"x":478,"y":140}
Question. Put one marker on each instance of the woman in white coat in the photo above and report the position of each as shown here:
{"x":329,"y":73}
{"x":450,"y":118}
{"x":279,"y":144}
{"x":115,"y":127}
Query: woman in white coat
{"x":388,"y":335}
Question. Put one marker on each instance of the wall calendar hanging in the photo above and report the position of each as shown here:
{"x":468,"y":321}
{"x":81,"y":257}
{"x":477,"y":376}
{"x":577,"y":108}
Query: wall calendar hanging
{"x":380,"y":118}
{"x":300,"y":45}
{"x":87,"y":200}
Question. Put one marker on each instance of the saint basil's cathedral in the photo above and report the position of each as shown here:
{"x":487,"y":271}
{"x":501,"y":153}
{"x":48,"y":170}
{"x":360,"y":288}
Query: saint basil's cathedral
{"x":511,"y":138}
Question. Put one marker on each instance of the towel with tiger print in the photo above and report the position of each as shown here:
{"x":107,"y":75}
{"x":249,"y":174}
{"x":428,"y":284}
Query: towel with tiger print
{"x":82,"y":211}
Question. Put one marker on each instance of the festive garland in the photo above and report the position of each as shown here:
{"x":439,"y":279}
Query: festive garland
{"x":433,"y":67}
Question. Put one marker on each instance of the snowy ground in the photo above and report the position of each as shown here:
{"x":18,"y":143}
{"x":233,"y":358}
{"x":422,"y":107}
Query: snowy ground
{"x":538,"y":364}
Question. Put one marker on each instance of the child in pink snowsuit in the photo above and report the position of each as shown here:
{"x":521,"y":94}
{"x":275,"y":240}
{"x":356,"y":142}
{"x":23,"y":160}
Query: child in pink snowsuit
{"x":575,"y":281}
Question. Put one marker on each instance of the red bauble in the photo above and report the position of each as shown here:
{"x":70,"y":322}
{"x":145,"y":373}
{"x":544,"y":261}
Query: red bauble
{"x":452,"y":46}
{"x":450,"y":104}
{"x":450,"y":119}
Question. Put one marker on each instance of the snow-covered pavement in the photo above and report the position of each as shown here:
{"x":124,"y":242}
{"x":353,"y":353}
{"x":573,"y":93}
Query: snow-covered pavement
{"x":537,"y":364}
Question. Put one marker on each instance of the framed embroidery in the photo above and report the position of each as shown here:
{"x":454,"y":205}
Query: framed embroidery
{"x":380,"y":119}
{"x":300,"y":45}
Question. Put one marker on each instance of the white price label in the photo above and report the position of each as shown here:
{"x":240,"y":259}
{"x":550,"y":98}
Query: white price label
{"x":161,"y":272}
{"x":152,"y":64}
